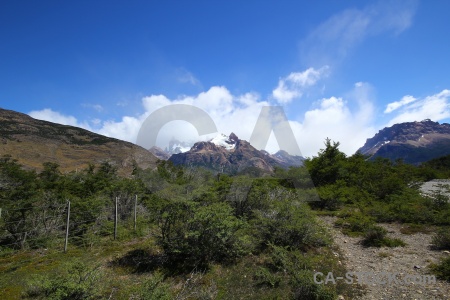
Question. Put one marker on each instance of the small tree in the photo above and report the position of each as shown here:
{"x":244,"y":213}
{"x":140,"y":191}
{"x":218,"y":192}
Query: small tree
{"x":324,"y":168}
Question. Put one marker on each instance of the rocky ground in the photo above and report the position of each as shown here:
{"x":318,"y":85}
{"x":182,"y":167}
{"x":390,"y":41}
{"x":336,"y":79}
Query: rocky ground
{"x":413,"y":259}
{"x":436,"y":185}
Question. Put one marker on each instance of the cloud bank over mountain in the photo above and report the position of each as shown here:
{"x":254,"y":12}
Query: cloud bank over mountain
{"x":348,"y":119}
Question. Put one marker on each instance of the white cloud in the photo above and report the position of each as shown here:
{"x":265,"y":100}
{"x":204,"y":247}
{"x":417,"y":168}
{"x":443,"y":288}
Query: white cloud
{"x":397,"y":104}
{"x":230,"y":113}
{"x":435,"y":107}
{"x":348,"y":119}
{"x":333,"y":117}
{"x":349,"y":122}
{"x":153,"y":102}
{"x":335,"y":38}
{"x":293,"y":85}
{"x":363,"y":95}
{"x":126,"y":129}
{"x":396,"y":16}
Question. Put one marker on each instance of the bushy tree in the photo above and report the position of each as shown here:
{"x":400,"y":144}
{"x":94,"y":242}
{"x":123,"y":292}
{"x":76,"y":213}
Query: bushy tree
{"x":324,"y":168}
{"x":289,"y":222}
{"x":199,"y":234}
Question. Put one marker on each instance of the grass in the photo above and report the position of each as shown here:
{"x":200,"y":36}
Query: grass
{"x":442,"y":269}
{"x":416,"y":228}
{"x":384,"y":254}
{"x":19,"y":267}
{"x":125,"y":266}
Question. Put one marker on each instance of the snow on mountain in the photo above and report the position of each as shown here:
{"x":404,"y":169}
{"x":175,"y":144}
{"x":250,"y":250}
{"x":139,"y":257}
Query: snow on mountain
{"x":224,"y":140}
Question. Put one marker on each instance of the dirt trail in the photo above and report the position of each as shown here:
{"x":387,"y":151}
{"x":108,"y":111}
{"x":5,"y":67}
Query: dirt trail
{"x":413,"y":259}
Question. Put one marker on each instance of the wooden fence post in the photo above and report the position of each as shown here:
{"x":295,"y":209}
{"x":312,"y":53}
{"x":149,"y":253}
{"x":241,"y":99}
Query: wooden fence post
{"x":135,"y":212}
{"x":67,"y":227}
{"x":115,"y":221}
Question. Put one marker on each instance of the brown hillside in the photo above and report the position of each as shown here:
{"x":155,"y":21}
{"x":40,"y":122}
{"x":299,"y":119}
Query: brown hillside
{"x":33,"y":142}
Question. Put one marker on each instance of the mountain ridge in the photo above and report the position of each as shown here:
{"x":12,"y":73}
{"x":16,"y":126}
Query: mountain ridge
{"x":32,"y":142}
{"x":232,"y":155}
{"x":414,"y":142}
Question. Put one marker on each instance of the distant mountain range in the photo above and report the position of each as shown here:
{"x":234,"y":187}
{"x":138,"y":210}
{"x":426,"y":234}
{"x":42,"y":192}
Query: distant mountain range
{"x":232,"y":155}
{"x":414,"y":142}
{"x":33,"y":142}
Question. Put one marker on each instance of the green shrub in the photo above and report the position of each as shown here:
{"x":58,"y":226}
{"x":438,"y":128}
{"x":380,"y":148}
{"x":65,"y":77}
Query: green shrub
{"x":415,"y":228}
{"x":154,"y":289}
{"x":76,"y":282}
{"x":442,"y":217}
{"x":382,"y":212}
{"x":355,"y":224}
{"x":294,"y":267}
{"x":441,"y":240}
{"x":304,"y":288}
{"x":264,"y":277}
{"x":442,"y":270}
{"x":197,"y":234}
{"x":388,"y":242}
{"x":375,"y":236}
{"x":330,"y":197}
{"x":197,"y":286}
{"x":440,"y":198}
{"x":290,"y":224}
{"x":411,"y":207}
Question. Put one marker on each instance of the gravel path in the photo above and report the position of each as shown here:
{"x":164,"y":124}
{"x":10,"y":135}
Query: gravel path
{"x":413,"y":259}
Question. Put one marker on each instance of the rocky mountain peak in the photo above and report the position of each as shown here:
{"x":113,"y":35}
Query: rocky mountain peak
{"x":231,"y":154}
{"x":233,"y":137}
{"x":414,"y":142}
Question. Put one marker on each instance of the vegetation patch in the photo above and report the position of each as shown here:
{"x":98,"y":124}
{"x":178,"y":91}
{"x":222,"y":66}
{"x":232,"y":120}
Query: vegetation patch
{"x":375,"y":236}
{"x":202,"y":236}
{"x":442,"y":269}
{"x":416,"y":228}
{"x":441,"y":239}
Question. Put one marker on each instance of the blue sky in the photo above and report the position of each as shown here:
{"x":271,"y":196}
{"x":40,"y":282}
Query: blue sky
{"x":340,"y":69}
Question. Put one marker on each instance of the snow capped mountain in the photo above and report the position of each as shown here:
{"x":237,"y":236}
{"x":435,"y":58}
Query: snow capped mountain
{"x":227,"y":153}
{"x":223,"y":140}
{"x":230,"y":154}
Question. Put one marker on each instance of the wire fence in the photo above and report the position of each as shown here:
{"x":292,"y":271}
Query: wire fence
{"x":61,"y":226}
